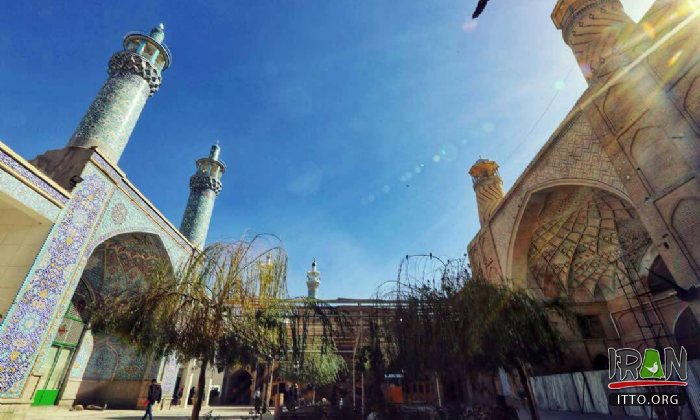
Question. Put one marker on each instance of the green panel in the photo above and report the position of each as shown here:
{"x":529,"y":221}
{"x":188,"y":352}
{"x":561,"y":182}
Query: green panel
{"x":45,"y":397}
{"x":50,"y":396}
{"x":37,"y":397}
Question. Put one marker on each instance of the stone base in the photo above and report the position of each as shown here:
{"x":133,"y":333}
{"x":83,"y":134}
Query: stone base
{"x":116,"y":394}
{"x":13,"y":409}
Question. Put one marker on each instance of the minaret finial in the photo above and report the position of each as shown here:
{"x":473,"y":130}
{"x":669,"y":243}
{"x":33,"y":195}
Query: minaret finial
{"x":158,"y":33}
{"x":215,"y":151}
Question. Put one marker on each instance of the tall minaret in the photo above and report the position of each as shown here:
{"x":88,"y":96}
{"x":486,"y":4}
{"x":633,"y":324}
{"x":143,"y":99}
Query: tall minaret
{"x":598,"y":32}
{"x":134,"y":75}
{"x":488,"y":187}
{"x":205,"y":185}
{"x":313,"y":280}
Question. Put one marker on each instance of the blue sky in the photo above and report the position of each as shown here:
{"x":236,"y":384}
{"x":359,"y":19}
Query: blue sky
{"x":348,"y":126}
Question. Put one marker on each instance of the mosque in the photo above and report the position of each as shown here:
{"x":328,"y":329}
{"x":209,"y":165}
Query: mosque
{"x":608,"y":211}
{"x":70,"y":223}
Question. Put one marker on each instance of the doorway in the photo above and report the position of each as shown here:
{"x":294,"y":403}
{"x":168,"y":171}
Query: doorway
{"x":60,"y":355}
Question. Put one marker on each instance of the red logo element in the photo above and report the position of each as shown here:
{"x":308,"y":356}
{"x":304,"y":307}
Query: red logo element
{"x":632,"y":384}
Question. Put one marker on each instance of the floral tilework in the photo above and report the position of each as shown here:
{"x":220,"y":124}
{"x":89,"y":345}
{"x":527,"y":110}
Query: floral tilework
{"x":83,"y":356}
{"x":132,"y":218}
{"x":154,"y":368}
{"x":113,"y":358}
{"x":30,"y":176}
{"x":103,"y":360}
{"x":16,"y":189}
{"x":169,"y":376}
{"x":25,"y":327}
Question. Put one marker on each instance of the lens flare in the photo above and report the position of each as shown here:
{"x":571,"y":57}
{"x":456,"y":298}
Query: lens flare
{"x":436,"y":158}
{"x":675,"y":58}
{"x":586,"y":70}
{"x":559,"y":85}
{"x":449,"y":152}
{"x":649,"y":30}
{"x":689,"y":6}
{"x":469,"y":26}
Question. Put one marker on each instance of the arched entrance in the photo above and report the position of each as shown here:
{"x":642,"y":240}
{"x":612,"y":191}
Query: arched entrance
{"x":587,"y":244}
{"x":574,"y":241}
{"x":106,"y":369}
{"x":238,"y":388}
{"x":687,"y":333}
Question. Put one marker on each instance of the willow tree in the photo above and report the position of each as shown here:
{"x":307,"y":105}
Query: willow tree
{"x":424,"y":330}
{"x":315,"y":367}
{"x":473,"y":325}
{"x":509,"y":328}
{"x":309,"y":353}
{"x":225,"y":305}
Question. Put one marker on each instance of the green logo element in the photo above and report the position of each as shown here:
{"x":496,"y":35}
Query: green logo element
{"x":651,"y":365}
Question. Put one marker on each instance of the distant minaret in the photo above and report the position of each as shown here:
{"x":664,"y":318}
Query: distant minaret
{"x":205,"y":185}
{"x":488,"y":187}
{"x":313,"y":280}
{"x":134,"y":75}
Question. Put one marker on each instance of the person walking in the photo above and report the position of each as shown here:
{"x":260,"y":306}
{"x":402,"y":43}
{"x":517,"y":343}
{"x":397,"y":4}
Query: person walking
{"x":190,"y":396}
{"x":178,"y":396}
{"x":258,"y":400}
{"x":154,"y":394}
{"x":295,"y":395}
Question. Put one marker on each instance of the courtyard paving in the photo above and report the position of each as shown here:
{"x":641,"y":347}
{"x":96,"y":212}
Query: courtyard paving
{"x":230,"y":413}
{"x":60,"y":413}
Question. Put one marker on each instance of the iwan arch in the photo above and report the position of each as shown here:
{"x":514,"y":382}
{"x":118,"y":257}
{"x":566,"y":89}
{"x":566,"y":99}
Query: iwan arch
{"x":608,"y":212}
{"x":71,"y":225}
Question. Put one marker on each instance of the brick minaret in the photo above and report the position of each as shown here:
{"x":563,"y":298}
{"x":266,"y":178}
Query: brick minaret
{"x":488,"y":187}
{"x":594,"y":30}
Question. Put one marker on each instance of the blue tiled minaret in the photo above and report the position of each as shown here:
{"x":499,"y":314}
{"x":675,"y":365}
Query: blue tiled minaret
{"x":134,"y":75}
{"x":205,"y":185}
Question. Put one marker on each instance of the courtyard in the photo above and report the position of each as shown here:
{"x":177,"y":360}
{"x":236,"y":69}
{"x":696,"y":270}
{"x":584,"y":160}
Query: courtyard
{"x":464,"y":210}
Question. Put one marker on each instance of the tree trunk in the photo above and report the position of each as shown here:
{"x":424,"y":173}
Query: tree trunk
{"x":362,"y":395}
{"x":528,"y":392}
{"x":437,"y":389}
{"x":268,"y":395}
{"x":197,"y":406}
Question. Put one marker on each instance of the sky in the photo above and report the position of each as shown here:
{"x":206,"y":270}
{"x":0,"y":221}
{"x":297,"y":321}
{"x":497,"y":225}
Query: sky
{"x":347,"y":126}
